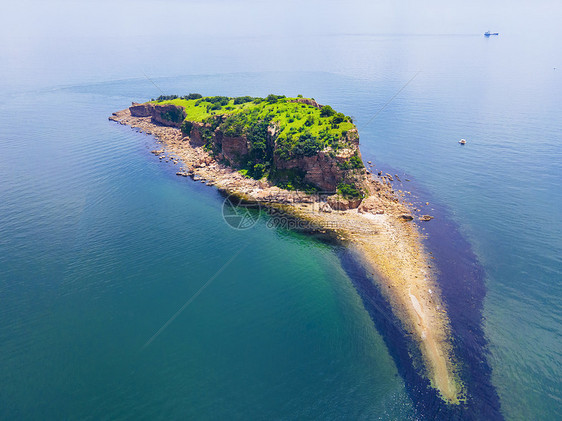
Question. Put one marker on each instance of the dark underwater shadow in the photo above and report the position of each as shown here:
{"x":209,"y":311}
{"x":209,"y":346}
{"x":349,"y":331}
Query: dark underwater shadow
{"x":462,"y":281}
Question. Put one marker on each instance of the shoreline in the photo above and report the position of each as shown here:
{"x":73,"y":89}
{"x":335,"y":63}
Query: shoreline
{"x":386,"y":242}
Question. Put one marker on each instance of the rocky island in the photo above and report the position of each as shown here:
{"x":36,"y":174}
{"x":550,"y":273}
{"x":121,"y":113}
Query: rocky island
{"x":302,"y":158}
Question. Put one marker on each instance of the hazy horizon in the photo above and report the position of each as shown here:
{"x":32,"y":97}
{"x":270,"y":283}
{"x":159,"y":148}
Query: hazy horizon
{"x":32,"y":18}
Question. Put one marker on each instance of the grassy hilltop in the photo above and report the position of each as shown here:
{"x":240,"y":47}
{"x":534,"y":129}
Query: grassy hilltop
{"x":277,"y":129}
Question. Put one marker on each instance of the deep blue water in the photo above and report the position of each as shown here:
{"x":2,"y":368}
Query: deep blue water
{"x":101,"y":244}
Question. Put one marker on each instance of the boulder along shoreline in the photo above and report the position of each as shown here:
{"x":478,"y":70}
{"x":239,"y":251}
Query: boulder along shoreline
{"x":378,"y":229}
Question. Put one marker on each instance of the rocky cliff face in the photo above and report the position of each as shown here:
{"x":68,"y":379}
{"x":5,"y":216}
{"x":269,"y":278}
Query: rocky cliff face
{"x":140,"y":110}
{"x":234,"y":149}
{"x":195,"y":135}
{"x":321,"y":170}
{"x":166,"y":115}
{"x":327,"y":169}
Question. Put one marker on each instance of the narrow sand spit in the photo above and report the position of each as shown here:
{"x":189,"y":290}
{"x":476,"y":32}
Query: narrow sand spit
{"x":388,"y":246}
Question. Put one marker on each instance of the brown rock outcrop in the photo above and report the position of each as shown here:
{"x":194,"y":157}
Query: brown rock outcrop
{"x":195,"y":135}
{"x":234,"y":149}
{"x":140,"y":110}
{"x":352,"y":136}
{"x":321,"y":170}
{"x":340,"y":203}
{"x":308,"y":101}
{"x":166,"y":115}
{"x":406,"y":217}
{"x":371,"y":204}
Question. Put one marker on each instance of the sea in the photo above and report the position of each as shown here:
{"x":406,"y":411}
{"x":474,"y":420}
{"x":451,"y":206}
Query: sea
{"x":124,"y":293}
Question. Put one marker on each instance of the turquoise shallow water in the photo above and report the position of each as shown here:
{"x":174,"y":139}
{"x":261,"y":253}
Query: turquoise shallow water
{"x":100,"y":244}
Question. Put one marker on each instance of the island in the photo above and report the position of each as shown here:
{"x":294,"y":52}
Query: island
{"x":301,"y":158}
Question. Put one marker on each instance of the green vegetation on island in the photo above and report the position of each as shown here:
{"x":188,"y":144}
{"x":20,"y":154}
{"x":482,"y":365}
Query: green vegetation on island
{"x":277,"y":129}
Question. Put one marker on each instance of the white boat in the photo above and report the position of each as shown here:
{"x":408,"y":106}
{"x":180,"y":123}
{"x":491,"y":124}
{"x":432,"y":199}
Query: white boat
{"x":462,"y":141}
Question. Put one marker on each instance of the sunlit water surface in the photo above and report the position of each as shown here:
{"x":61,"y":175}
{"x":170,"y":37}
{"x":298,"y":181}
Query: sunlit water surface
{"x":100,"y":243}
